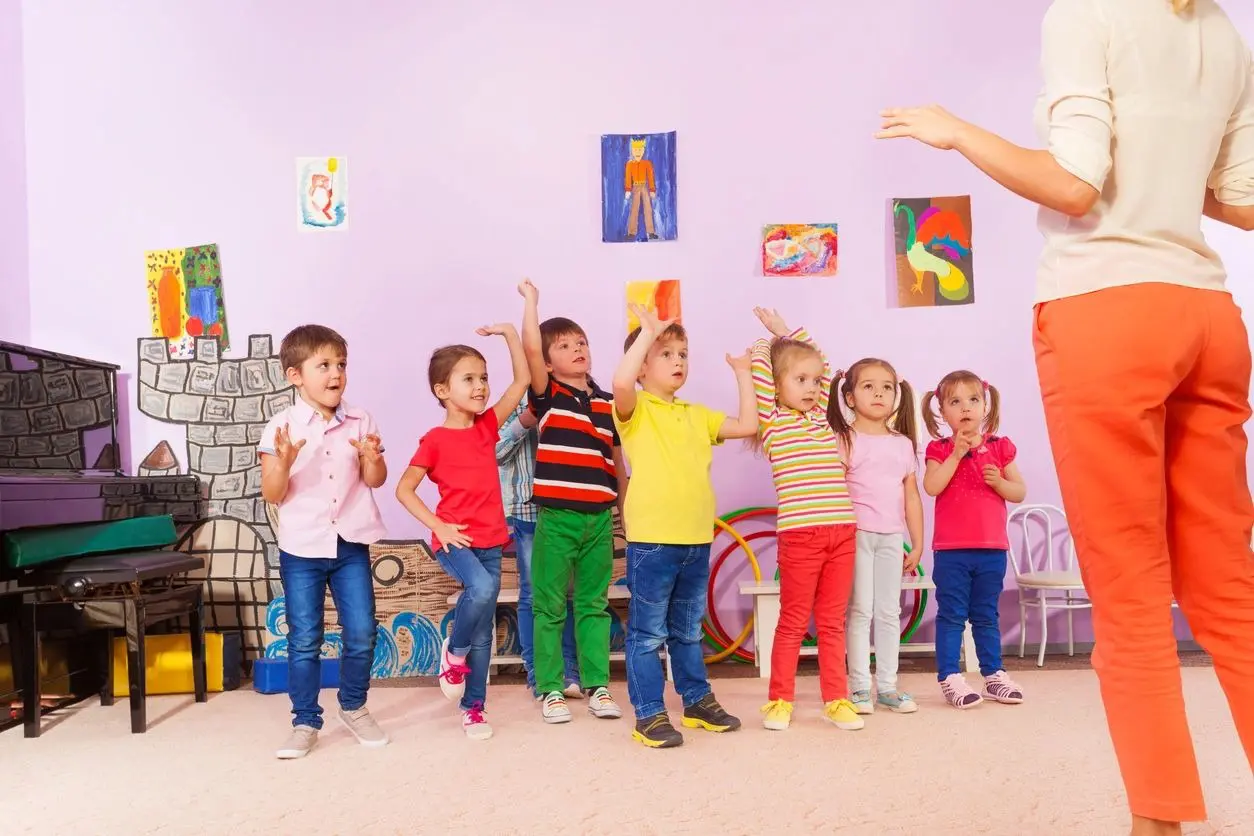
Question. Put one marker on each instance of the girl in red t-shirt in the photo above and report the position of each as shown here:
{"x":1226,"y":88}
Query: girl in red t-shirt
{"x":972,"y":474}
{"x":468,"y":526}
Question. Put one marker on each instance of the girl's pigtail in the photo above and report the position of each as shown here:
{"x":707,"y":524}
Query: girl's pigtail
{"x":836,"y":413}
{"x":905,"y":423}
{"x":929,"y":415}
{"x":992,"y":421}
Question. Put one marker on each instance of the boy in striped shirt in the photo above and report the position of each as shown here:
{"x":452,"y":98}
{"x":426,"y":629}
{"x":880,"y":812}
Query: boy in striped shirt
{"x":578,"y":464}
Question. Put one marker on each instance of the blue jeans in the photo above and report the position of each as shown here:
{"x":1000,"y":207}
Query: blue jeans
{"x":305,"y":581}
{"x":668,"y":597}
{"x":479,"y":573}
{"x":524,"y":534}
{"x":968,"y":588}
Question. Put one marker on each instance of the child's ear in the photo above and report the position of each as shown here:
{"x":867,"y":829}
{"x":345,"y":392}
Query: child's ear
{"x":442,"y":391}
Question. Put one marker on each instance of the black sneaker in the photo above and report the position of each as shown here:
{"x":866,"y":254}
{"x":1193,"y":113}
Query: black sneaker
{"x":656,"y":732}
{"x":709,"y":715}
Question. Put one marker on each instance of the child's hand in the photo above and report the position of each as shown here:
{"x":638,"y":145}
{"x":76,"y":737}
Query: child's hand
{"x":741,"y":363}
{"x":498,"y":330}
{"x":962,"y":446}
{"x":992,"y":475}
{"x":649,"y":321}
{"x":527,"y":419}
{"x":284,"y":448}
{"x":369,"y":448}
{"x":910,"y":562}
{"x":528,"y":291}
{"x":773,"y":321}
{"x":450,"y":534}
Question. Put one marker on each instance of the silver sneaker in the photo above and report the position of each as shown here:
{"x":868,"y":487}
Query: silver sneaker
{"x":298,"y":743}
{"x":363,"y":727}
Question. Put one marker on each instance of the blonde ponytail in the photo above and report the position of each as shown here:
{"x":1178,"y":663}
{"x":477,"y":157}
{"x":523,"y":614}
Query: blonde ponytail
{"x":1181,"y":6}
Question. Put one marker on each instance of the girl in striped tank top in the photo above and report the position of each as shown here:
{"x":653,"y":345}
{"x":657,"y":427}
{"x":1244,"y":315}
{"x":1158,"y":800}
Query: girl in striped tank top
{"x":816,"y":532}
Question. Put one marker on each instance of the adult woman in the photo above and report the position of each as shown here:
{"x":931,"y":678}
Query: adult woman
{"x":1143,"y":360}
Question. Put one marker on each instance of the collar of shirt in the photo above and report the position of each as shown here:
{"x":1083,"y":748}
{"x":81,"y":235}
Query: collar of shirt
{"x":303,"y":413}
{"x":649,"y":396}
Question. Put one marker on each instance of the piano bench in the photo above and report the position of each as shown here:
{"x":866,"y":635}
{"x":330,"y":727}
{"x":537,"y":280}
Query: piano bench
{"x":125,"y":592}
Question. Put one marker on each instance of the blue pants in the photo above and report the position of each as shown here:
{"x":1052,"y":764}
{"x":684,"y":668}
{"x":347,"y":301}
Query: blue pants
{"x":305,"y":581}
{"x":524,"y":534}
{"x":479,"y":573}
{"x":968,"y":588}
{"x":668,"y":597}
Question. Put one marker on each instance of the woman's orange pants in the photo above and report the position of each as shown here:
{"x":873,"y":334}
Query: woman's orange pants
{"x":1146,"y":392}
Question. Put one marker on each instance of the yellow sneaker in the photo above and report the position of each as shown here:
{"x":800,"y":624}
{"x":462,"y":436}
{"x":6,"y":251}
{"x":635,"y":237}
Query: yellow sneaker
{"x":778,"y":715}
{"x":843,"y":715}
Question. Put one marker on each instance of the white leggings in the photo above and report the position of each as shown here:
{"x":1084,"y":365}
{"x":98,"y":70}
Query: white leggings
{"x":876,"y":596}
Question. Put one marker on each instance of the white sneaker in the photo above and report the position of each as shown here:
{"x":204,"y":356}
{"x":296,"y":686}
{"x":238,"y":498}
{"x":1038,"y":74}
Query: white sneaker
{"x":298,"y":743}
{"x":600,"y":704}
{"x":862,"y":702}
{"x":554,"y":709}
{"x":363,"y":727}
{"x":452,"y":677}
{"x":475,"y":724}
{"x":573,"y":691}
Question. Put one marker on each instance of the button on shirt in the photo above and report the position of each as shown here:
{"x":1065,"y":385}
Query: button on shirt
{"x":326,"y":497}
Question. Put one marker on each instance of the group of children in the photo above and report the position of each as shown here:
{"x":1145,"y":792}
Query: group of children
{"x":545,"y":464}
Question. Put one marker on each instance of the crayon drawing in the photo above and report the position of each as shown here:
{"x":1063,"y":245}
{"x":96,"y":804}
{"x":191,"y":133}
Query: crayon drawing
{"x":185,"y":297}
{"x":661,"y":296}
{"x":322,"y":192}
{"x":799,"y":249}
{"x":932,"y":254}
{"x":638,"y":187}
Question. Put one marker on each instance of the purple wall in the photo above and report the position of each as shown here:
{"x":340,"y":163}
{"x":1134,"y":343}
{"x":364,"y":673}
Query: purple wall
{"x":15,"y":311}
{"x":473,"y":142}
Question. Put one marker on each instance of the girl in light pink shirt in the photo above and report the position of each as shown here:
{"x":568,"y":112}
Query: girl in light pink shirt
{"x":880,"y":449}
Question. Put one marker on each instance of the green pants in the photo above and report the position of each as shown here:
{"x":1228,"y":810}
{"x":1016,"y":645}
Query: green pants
{"x":570,"y":544}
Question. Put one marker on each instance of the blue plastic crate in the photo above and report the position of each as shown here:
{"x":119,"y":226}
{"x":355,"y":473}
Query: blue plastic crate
{"x":270,"y":675}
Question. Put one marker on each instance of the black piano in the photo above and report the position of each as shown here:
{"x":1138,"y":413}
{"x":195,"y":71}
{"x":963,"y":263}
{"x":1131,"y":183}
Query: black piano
{"x":85,"y":551}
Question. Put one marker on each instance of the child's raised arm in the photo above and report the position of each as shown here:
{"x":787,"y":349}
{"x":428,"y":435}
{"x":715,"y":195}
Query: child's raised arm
{"x":744,"y":425}
{"x":513,"y":394}
{"x":624,"y":383}
{"x":533,"y":348}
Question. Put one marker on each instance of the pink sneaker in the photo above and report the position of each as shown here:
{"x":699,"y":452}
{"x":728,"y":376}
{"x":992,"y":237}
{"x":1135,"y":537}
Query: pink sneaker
{"x":452,"y":676}
{"x":958,"y":693}
{"x":475,"y":724}
{"x":1003,"y":689}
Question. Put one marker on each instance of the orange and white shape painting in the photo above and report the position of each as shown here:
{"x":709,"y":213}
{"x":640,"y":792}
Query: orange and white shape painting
{"x":660,"y":296}
{"x":322,"y":192}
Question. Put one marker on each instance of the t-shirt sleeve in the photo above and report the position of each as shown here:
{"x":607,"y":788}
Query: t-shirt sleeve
{"x":937,"y":451}
{"x":909,"y":456}
{"x":367,"y":426}
{"x":491,"y":427}
{"x":427,"y":453}
{"x":540,"y":403}
{"x":713,"y":423}
{"x":1076,"y":96}
{"x":1006,"y":451}
{"x":1232,"y":177}
{"x":266,"y":442}
{"x":626,"y":428}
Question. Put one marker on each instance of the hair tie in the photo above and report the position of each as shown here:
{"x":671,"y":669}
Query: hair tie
{"x":984,"y":383}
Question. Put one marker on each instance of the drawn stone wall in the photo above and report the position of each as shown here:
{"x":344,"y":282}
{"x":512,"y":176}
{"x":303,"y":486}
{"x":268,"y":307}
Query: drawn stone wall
{"x":224,"y":404}
{"x":44,"y":412}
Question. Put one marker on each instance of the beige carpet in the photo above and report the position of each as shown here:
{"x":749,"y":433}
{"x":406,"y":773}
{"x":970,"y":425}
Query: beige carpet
{"x":1044,"y":767}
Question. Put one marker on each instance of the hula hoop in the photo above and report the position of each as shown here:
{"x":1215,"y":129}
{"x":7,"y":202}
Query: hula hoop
{"x":713,"y":624}
{"x":757,"y":576}
{"x":712,"y":628}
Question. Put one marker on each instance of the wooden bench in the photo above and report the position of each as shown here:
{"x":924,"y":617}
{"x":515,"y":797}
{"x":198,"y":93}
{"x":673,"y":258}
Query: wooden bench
{"x":765,"y":596}
{"x":616,"y":592}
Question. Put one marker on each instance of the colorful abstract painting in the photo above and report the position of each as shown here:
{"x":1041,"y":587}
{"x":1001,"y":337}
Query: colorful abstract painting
{"x":185,"y":297}
{"x":661,"y":296}
{"x":322,"y":192}
{"x":638,"y":187}
{"x":799,"y":250}
{"x":932,"y":255}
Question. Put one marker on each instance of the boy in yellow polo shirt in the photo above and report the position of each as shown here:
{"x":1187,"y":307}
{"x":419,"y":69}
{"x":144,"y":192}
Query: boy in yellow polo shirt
{"x":669,"y":516}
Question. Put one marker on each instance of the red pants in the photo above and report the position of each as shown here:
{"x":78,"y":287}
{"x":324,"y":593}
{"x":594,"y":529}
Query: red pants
{"x":815,"y":578}
{"x":1146,"y":392}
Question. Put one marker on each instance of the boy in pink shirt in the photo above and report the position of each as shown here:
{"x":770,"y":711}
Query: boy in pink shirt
{"x":320,"y":460}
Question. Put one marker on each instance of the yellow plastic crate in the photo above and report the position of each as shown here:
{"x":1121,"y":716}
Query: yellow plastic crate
{"x":169,"y":664}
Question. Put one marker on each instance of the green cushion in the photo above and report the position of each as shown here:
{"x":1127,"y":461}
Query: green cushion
{"x":27,"y":547}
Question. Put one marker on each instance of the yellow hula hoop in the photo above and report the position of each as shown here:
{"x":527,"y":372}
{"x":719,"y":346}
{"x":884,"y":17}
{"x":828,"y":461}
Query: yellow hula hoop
{"x":757,"y":576}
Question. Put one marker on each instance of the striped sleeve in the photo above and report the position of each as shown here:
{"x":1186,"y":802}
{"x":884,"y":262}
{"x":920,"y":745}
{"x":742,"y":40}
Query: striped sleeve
{"x":763,"y":380}
{"x":825,"y":382}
